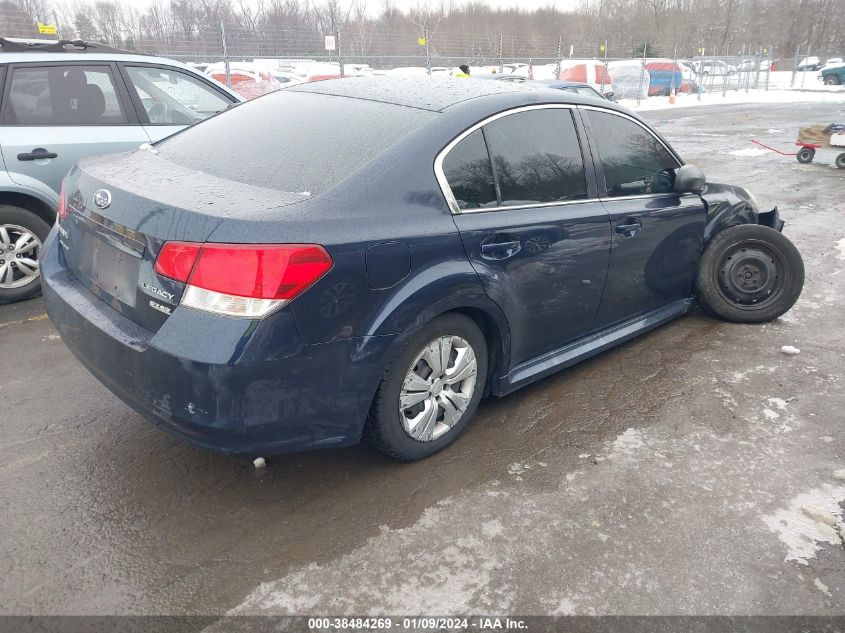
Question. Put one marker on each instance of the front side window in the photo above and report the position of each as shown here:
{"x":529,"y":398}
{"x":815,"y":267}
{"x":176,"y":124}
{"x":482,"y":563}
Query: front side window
{"x":633,"y":161}
{"x":173,"y":97}
{"x":469,"y":174}
{"x":63,"y":95}
{"x":537,"y":157}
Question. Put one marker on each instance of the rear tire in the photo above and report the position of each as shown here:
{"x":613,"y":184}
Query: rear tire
{"x":408,"y":432}
{"x":840,"y":161}
{"x":749,"y":274}
{"x":806,"y":155}
{"x":16,"y":279}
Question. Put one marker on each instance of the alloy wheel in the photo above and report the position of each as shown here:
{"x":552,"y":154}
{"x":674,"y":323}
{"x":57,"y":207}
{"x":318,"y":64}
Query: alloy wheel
{"x":19,"y":249}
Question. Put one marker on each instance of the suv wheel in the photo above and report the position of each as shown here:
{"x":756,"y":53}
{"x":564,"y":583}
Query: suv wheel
{"x":431,"y":391}
{"x":749,"y":274}
{"x":22,"y":234}
{"x":831,"y":80}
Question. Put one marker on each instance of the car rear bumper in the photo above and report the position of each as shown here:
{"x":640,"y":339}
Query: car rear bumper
{"x":228,"y":385}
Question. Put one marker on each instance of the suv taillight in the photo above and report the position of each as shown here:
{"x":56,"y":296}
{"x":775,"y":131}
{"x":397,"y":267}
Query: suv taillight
{"x":242,"y":280}
{"x":61,"y":208}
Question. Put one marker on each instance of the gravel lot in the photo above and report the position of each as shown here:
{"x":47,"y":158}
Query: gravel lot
{"x":666,"y":476}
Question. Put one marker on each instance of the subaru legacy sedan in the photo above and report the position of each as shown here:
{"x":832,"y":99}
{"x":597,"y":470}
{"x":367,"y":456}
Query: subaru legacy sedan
{"x":369,"y":258}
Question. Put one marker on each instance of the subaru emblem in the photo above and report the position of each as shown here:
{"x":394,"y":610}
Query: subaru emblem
{"x":102,"y":198}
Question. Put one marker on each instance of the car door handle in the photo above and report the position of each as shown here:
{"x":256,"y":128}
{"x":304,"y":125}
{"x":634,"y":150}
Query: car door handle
{"x":629,"y":227}
{"x":37,"y":154}
{"x":500,"y":250}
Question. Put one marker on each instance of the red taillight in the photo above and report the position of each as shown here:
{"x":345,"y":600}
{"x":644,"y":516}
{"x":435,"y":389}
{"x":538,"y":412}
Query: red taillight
{"x":176,"y":260}
{"x":61,"y":208}
{"x":242,"y":279}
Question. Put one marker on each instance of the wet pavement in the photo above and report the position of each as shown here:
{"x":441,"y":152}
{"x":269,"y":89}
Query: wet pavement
{"x":667,"y":476}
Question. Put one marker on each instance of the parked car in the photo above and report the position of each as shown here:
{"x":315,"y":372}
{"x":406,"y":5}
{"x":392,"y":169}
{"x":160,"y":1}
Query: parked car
{"x":715,"y":68}
{"x":456,"y":238}
{"x":833,"y":75}
{"x":60,"y":102}
{"x":583,"y":89}
{"x":246,"y":79}
{"x":810,"y":63}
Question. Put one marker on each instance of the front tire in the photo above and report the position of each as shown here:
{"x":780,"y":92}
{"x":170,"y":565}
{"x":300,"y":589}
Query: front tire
{"x":22,"y":234}
{"x":749,"y":274}
{"x":806,"y":155}
{"x":832,"y":80}
{"x":431,"y":391}
{"x":840,"y":161}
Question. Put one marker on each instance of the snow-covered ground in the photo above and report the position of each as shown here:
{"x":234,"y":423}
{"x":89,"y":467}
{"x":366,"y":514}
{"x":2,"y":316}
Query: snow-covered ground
{"x":816,"y":95}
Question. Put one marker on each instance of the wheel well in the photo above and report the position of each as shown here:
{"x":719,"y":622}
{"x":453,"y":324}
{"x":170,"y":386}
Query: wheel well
{"x":493,"y":338}
{"x":34,"y":205}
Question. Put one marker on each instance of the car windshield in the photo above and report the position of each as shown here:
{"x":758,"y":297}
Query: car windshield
{"x":293,"y":141}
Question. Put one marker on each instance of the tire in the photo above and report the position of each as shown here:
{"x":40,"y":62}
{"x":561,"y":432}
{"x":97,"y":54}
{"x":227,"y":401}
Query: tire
{"x":832,"y":80}
{"x":16,"y":223}
{"x":749,"y":274}
{"x":387,"y":426}
{"x":806,"y":155}
{"x":840,"y":161}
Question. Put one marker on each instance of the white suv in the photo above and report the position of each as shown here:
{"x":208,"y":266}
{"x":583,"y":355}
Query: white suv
{"x":62,"y":101}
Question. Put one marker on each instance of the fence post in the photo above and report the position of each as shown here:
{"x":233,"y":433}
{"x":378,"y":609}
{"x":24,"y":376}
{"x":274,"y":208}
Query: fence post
{"x":642,"y":74}
{"x":427,"y":52}
{"x":606,"y":74}
{"x":699,"y":75}
{"x":501,"y":61}
{"x":804,"y":72}
{"x":225,"y":55}
{"x":559,"y":44}
{"x":795,"y":66}
{"x":339,"y":53}
{"x":672,"y":90}
{"x":770,"y":59}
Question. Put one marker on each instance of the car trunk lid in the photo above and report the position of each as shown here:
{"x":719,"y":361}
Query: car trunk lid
{"x":120,"y":212}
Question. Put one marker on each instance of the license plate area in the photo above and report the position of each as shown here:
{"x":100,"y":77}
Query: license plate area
{"x":111,"y":269}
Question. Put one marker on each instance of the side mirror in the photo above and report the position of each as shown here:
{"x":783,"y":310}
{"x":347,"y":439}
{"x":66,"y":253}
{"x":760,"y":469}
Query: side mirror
{"x":690,"y":179}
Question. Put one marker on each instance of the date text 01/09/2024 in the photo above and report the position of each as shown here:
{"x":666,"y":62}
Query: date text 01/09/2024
{"x":479,"y":623}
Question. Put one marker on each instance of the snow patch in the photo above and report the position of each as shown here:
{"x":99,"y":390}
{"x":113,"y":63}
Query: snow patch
{"x":749,"y":151}
{"x":804,"y":524}
{"x":841,"y":246}
{"x":821,"y":586}
{"x":628,"y":443}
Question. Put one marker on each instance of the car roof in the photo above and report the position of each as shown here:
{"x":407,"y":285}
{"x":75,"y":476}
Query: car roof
{"x":561,"y":83}
{"x":18,"y":50}
{"x":440,"y":94}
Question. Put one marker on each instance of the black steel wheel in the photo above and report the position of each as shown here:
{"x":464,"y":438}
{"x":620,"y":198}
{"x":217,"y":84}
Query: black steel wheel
{"x":806,"y":155}
{"x":749,"y":274}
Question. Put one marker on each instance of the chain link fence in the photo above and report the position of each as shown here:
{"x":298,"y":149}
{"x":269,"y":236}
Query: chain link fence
{"x":630,"y":69}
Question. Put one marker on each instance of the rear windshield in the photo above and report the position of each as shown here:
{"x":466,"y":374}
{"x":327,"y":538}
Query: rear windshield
{"x":293,"y":141}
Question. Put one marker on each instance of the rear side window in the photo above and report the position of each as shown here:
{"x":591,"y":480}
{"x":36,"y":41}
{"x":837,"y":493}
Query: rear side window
{"x":63,"y":95}
{"x":537,"y":157}
{"x":633,"y":161}
{"x":469,"y":173}
{"x":293,"y":141}
{"x":173,"y":97}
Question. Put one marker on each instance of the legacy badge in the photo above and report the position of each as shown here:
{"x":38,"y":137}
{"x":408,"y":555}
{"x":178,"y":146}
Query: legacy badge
{"x":158,"y":291}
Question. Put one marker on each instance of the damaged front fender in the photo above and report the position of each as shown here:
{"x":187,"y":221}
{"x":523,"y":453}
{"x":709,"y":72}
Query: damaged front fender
{"x":729,"y":205}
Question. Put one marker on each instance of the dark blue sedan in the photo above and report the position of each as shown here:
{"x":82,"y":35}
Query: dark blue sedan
{"x":368,"y":257}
